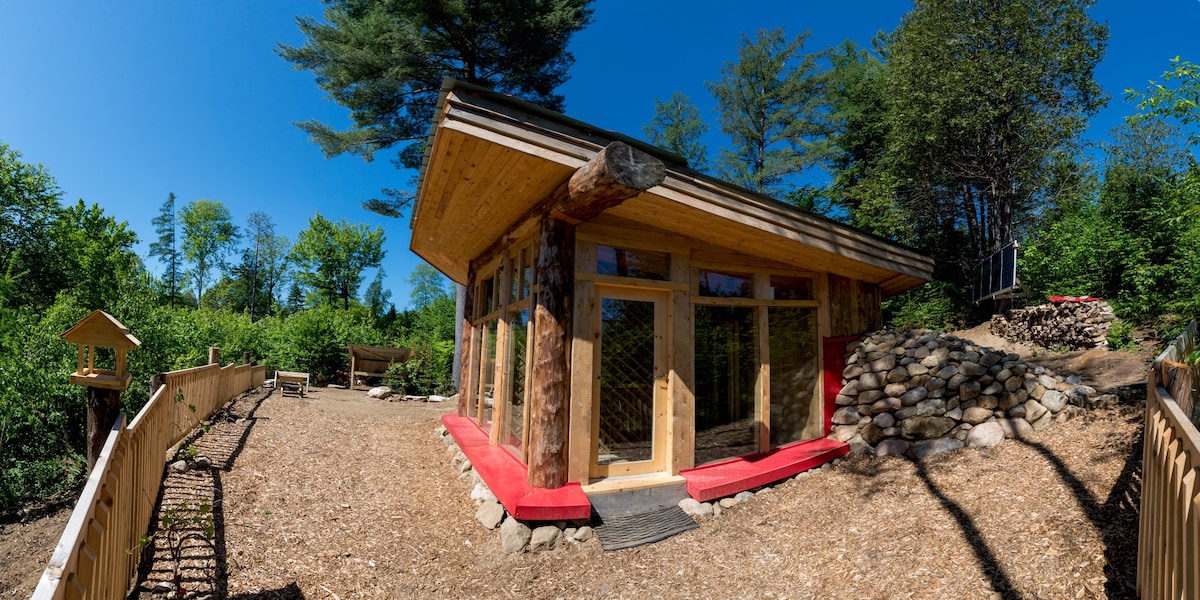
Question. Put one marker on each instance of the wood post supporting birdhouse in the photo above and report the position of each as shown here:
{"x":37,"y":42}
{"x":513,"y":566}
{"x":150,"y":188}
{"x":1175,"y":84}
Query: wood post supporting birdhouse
{"x":100,"y":330}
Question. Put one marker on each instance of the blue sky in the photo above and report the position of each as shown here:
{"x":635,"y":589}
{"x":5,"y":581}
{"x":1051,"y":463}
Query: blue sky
{"x":124,"y":102}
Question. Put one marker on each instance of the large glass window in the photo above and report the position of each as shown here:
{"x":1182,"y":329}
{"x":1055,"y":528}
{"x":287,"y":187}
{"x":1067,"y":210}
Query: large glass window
{"x":720,"y":284}
{"x":727,"y":364}
{"x":626,"y":381}
{"x":787,"y":287}
{"x":795,"y":406}
{"x":628,"y":262}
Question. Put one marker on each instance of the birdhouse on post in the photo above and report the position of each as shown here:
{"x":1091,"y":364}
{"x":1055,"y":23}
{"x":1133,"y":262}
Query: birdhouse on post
{"x":100,"y":330}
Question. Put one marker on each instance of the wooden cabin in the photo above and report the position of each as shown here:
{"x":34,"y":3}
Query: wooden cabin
{"x":631,"y":322}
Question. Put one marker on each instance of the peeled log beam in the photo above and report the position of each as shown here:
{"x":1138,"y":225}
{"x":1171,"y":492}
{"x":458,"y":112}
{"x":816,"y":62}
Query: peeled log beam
{"x":616,"y":174}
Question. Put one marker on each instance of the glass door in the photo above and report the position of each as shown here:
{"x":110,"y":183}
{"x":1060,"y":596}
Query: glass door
{"x":630,"y":413}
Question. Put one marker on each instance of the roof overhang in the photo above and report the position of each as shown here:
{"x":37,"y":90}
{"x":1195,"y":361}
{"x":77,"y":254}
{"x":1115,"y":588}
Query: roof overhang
{"x":491,"y":158}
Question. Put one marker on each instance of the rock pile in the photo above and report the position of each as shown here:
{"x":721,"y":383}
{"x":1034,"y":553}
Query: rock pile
{"x":1066,"y":321}
{"x":921,"y":392}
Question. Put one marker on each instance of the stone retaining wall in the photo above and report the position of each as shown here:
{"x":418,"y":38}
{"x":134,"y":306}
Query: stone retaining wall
{"x":921,"y":392}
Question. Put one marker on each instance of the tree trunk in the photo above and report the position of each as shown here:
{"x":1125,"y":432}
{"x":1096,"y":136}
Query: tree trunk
{"x":552,"y":322}
{"x":103,"y":407}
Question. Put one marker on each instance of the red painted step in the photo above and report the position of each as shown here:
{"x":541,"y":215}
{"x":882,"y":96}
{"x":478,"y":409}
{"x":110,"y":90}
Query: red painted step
{"x":726,"y":478}
{"x":508,"y":478}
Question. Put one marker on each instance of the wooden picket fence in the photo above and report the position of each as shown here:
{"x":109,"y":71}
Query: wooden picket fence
{"x":1169,"y":536}
{"x":96,"y":556}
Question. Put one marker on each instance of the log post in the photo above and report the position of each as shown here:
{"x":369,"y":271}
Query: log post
{"x":615,"y":174}
{"x":552,"y":322}
{"x":214,"y":356}
{"x":103,"y":407}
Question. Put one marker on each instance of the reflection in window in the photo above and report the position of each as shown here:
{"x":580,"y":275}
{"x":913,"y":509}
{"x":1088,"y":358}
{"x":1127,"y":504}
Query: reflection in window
{"x":487,"y":375}
{"x":795,"y":408}
{"x":626,"y":262}
{"x":719,"y":284}
{"x":524,"y":273}
{"x":487,"y":292}
{"x":515,"y":409}
{"x":785,"y":287}
{"x":726,"y":369}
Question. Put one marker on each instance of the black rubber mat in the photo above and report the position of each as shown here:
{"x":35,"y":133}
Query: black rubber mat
{"x":617,"y":531}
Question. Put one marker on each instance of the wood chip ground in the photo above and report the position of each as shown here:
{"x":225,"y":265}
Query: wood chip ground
{"x":339,"y":496}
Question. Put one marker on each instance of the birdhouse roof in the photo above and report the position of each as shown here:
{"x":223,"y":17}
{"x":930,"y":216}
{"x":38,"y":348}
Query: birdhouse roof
{"x":101,"y":329}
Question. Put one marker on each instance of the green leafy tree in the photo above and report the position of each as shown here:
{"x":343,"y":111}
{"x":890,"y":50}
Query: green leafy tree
{"x":1178,"y":98}
{"x":378,"y":300}
{"x":165,"y":248}
{"x":267,"y":260}
{"x":677,"y":127}
{"x":208,"y":236}
{"x":769,"y":104}
{"x":385,"y":62}
{"x":95,"y":253}
{"x":29,"y":204}
{"x":984,"y":99}
{"x":428,"y":284}
{"x":331,"y":257}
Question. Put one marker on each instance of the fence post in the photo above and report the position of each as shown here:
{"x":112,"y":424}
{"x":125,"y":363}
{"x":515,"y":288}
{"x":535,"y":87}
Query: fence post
{"x":214,"y":356}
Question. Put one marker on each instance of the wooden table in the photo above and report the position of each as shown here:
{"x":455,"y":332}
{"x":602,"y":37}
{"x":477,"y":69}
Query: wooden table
{"x":292,"y":377}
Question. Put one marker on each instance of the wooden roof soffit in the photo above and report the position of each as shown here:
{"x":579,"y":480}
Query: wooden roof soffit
{"x":615,"y":174}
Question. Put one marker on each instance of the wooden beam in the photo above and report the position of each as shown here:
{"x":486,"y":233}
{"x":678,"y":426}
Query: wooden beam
{"x":618,"y":173}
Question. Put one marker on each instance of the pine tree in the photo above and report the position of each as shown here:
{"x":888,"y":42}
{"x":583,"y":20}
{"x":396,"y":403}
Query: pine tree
{"x":677,"y":127}
{"x":385,"y":61}
{"x":164,"y":248}
{"x":769,"y":104}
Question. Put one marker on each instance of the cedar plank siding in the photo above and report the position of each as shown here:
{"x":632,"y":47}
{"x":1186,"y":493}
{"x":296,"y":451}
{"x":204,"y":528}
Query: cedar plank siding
{"x":854,"y":306}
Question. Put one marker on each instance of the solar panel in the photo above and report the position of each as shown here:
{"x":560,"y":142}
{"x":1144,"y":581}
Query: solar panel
{"x":996,"y":275}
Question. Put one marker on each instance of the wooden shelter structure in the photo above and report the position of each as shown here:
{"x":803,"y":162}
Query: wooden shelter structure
{"x":100,"y":330}
{"x":372,"y":361}
{"x":630,"y":322}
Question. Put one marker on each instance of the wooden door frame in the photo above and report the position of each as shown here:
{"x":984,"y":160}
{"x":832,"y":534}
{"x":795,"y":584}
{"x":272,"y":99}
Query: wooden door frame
{"x":660,"y":438}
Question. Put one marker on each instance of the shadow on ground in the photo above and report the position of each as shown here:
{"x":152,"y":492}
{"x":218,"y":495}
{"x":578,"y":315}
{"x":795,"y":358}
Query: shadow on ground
{"x":201,"y":570}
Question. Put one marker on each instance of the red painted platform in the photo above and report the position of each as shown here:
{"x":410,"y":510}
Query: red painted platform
{"x":729,"y":477}
{"x":508,"y":478}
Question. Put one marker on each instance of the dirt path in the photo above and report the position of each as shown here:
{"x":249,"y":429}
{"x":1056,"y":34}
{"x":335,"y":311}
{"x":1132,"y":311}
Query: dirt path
{"x":24,"y":550}
{"x":1102,"y":369}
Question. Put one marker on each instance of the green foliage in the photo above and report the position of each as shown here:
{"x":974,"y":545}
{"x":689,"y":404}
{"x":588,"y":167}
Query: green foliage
{"x":935,"y":305}
{"x":676,"y":126}
{"x":1133,"y":240}
{"x":429,"y":333}
{"x":28,"y":207}
{"x":331,"y":257}
{"x":769,"y":105}
{"x":1122,"y":335}
{"x":208,"y":235}
{"x":95,"y":254}
{"x":165,"y":247}
{"x":428,"y":285}
{"x":983,"y":100}
{"x":314,"y":340}
{"x":1179,"y":98}
{"x":385,"y":62}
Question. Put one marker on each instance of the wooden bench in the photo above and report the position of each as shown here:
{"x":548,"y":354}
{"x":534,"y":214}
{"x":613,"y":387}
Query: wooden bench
{"x":292,"y":379}
{"x":372,"y":361}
